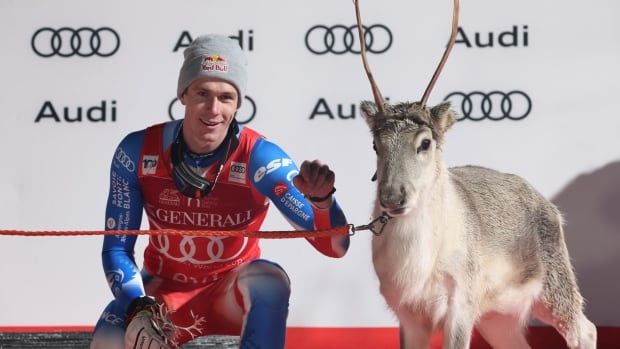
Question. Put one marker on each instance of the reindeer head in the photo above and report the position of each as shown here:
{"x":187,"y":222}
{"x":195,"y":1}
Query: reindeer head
{"x":406,"y":136}
{"x":406,"y":139}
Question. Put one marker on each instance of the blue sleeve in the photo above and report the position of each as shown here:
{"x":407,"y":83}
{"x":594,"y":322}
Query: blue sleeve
{"x":272,"y":172}
{"x":123,"y":212}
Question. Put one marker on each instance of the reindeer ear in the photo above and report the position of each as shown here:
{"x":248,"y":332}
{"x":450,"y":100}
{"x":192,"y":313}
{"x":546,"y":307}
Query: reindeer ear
{"x":443,"y":117}
{"x":369,"y":111}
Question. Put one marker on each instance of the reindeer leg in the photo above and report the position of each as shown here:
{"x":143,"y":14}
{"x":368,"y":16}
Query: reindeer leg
{"x":457,"y":333}
{"x":502,"y":331}
{"x":459,"y":324}
{"x":561,"y":304}
{"x":415,"y":330}
{"x":580,"y":334}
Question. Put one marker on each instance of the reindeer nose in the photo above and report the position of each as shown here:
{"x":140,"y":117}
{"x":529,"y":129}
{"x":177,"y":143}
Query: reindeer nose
{"x":393,"y":197}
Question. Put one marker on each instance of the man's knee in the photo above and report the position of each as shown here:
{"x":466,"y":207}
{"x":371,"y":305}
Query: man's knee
{"x":266,"y":283}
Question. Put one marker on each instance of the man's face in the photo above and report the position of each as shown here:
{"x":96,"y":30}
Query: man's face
{"x":210,"y":106}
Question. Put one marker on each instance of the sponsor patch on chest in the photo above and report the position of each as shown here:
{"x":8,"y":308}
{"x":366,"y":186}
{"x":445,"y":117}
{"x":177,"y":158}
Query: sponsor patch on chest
{"x":237,"y":172}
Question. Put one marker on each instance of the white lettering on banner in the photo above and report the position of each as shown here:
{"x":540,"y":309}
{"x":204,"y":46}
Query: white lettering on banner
{"x":202,"y":219}
{"x":296,"y":206}
{"x":271,"y":166}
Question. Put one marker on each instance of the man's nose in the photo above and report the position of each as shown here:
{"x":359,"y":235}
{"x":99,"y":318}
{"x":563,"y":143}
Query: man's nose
{"x":214,"y":105}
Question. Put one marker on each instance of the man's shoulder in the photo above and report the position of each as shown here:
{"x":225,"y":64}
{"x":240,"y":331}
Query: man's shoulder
{"x":135,"y":139}
{"x":251,"y":132}
{"x":168,"y":130}
{"x":166,"y":126}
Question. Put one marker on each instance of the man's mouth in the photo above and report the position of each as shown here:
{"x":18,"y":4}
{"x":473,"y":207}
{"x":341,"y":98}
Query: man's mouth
{"x":209,"y":123}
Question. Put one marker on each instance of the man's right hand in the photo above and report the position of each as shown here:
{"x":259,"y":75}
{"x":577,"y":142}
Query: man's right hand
{"x":143,"y":331}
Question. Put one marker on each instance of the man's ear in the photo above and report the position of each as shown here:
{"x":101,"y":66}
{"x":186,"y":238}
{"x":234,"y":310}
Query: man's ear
{"x":182,"y":98}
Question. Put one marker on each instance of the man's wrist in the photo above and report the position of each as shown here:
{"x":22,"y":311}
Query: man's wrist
{"x":320,"y":199}
{"x":323,"y":205}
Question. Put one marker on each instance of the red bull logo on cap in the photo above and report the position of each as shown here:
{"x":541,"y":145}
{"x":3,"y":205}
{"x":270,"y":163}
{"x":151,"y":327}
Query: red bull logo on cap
{"x":214,"y":63}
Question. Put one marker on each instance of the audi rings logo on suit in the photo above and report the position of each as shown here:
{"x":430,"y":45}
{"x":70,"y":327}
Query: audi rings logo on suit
{"x":124,"y":160}
{"x":340,"y":39}
{"x":68,"y":42}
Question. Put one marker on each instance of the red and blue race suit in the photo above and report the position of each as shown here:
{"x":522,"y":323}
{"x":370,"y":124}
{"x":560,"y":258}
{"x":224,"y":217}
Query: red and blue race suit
{"x":179,"y":268}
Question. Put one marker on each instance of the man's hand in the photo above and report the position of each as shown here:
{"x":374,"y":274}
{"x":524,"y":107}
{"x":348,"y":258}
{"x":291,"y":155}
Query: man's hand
{"x":316,"y":181}
{"x":143,"y":332}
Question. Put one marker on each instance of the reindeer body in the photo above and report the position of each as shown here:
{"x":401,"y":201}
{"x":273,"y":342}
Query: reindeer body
{"x":467,"y":246}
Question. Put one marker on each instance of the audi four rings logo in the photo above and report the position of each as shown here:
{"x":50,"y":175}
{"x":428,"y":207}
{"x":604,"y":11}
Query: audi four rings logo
{"x":494,"y":105}
{"x":188,"y":251}
{"x":340,"y":39}
{"x":245,"y":114}
{"x":124,"y":159}
{"x":237,"y":168}
{"x":83,"y":42}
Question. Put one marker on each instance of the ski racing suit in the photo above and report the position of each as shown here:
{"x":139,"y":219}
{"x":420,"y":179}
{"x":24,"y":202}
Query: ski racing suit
{"x":209,"y":285}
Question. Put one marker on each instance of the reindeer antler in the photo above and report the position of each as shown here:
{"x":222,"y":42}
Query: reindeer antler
{"x":446,"y":53}
{"x":379,"y":101}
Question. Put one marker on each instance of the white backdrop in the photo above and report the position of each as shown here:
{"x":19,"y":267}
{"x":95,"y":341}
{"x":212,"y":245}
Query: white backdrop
{"x":562,"y":54}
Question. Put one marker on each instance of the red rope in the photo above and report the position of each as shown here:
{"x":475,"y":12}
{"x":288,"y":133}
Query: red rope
{"x":344,"y":230}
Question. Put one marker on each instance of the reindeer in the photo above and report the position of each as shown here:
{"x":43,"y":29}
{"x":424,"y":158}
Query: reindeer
{"x":467,"y":246}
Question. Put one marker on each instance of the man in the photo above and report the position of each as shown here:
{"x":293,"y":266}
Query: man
{"x":206,"y":172}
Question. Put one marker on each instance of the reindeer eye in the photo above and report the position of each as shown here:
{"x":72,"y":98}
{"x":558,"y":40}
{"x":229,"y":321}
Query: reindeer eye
{"x":426,"y":143}
{"x":374,"y":146}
